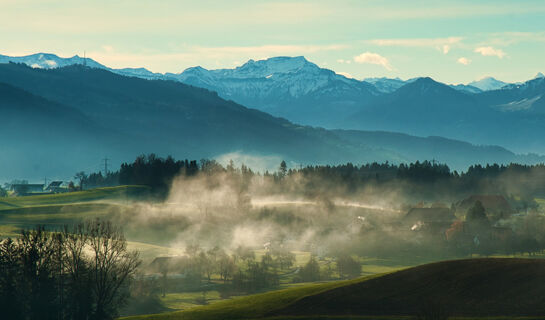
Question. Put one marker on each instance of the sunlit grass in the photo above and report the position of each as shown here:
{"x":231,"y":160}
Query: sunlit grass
{"x":55,"y":210}
{"x":249,"y":307}
{"x":188,"y":300}
{"x":116,"y":193}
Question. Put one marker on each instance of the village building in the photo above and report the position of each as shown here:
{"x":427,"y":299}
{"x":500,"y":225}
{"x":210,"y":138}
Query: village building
{"x":496,"y":206}
{"x":24,"y":189}
{"x":56,"y":187}
{"x":431,"y":220}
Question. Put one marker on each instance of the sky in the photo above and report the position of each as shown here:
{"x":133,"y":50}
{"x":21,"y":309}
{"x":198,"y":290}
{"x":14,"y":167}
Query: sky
{"x":450,"y":41}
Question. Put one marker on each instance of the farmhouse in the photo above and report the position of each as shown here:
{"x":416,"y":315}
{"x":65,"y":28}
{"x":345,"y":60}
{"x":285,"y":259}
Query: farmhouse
{"x":434,"y":220}
{"x":496,"y":206}
{"x":176,"y":264}
{"x":56,"y":187}
{"x":26,"y":188}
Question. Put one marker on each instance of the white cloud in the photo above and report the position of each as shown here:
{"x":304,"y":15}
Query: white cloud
{"x":490,"y":51}
{"x":108,"y":48}
{"x":379,"y":10}
{"x":373,"y":58}
{"x":440,"y":44}
{"x":419,"y":42}
{"x":340,"y":60}
{"x":510,"y":38}
{"x":463,"y":60}
{"x":346,"y":74}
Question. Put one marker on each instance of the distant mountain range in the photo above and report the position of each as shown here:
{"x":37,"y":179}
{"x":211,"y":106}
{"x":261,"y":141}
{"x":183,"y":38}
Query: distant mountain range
{"x":302,"y":92}
{"x":511,"y":117}
{"x":65,"y":119}
{"x":484,"y":112}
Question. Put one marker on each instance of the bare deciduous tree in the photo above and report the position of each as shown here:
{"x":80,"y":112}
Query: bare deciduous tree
{"x":111,"y":267}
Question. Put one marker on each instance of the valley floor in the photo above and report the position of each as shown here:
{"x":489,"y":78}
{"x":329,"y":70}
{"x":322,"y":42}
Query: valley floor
{"x":55,"y":210}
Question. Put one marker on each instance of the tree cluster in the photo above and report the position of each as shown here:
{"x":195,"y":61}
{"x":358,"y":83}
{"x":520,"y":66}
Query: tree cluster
{"x":257,"y":275}
{"x":427,"y":176}
{"x":80,"y":273}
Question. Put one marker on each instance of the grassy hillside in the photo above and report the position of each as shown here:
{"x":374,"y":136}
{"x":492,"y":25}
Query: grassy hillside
{"x":65,"y":208}
{"x":503,"y":288}
{"x":108,"y":193}
{"x":476,"y":287}
{"x":250,"y":307}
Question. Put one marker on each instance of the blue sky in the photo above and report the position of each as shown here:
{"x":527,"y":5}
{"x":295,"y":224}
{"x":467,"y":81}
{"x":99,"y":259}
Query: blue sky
{"x":451,"y":41}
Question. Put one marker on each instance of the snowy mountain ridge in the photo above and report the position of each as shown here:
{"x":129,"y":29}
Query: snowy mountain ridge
{"x":291,"y":76}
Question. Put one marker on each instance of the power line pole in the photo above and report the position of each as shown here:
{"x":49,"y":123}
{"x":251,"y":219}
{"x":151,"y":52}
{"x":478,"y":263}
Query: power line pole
{"x":105,"y":166}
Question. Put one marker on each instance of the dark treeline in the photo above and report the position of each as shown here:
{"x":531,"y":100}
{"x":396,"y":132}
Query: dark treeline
{"x":426,"y":176}
{"x":149,"y":170}
{"x":80,"y":273}
{"x":97,"y":179}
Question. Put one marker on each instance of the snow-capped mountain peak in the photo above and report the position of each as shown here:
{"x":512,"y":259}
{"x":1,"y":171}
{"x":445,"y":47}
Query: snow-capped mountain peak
{"x":274,"y":66}
{"x":487,"y":84}
{"x":386,"y":85}
{"x":278,"y":76}
{"x":283,"y":86}
{"x":539,"y":75}
{"x":49,"y":61}
{"x":256,"y":69}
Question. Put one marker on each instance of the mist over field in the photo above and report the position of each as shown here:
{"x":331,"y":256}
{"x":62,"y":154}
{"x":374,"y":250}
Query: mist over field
{"x":327,"y":216}
{"x":272,"y":160}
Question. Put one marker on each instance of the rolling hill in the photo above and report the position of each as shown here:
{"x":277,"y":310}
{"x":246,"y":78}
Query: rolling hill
{"x":442,"y":150}
{"x":477,"y":287}
{"x":468,"y":288}
{"x":40,"y":136}
{"x":108,"y":114}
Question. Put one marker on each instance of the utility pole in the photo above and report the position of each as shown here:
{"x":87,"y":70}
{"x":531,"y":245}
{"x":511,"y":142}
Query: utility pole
{"x":105,"y":166}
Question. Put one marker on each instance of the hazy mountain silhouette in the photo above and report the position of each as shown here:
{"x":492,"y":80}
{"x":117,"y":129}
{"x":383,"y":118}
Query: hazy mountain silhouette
{"x":80,"y":114}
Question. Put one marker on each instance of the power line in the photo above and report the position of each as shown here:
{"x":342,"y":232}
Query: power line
{"x":105,"y":166}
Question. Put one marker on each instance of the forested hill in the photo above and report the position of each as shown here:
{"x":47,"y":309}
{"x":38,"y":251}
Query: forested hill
{"x":166,"y":117}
